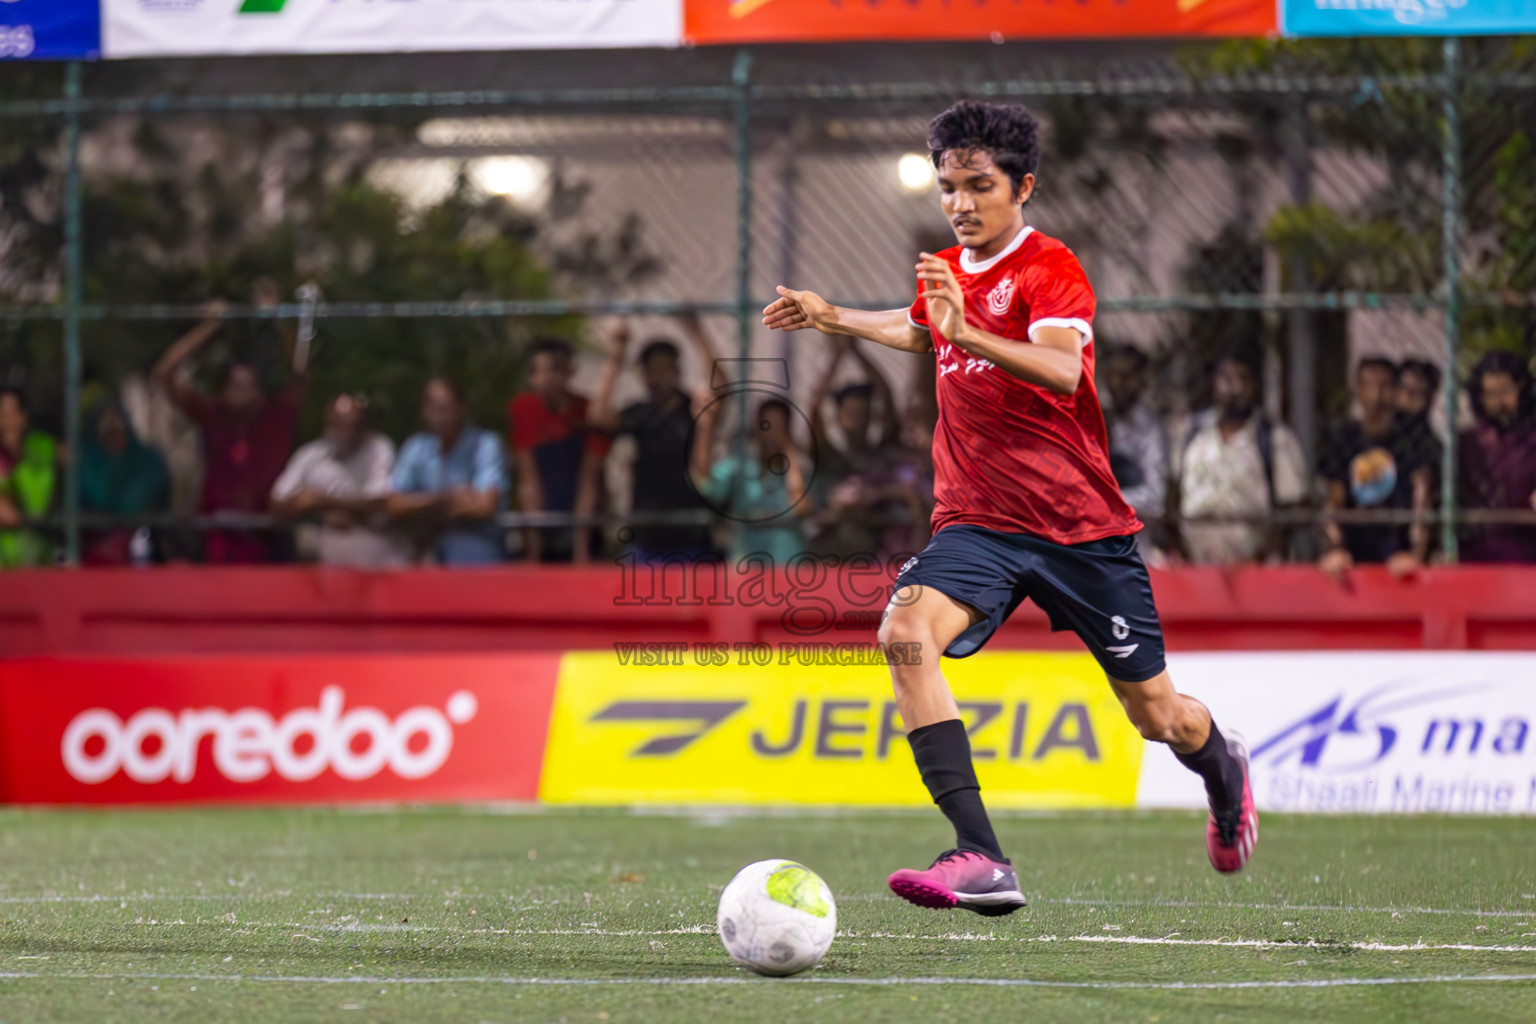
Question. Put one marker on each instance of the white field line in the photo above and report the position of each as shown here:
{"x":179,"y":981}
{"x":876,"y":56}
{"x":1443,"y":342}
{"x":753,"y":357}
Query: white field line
{"x":1063,"y":901}
{"x":292,"y":979}
{"x":703,"y":929}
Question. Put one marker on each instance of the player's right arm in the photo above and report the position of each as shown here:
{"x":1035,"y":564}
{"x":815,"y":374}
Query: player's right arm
{"x":796,"y":311}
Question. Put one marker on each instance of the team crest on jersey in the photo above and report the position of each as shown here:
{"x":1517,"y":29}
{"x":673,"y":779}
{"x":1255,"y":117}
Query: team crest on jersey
{"x":1001,"y":297}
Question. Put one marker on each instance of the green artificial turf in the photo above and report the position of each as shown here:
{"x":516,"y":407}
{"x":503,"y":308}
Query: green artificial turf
{"x":477,"y":915}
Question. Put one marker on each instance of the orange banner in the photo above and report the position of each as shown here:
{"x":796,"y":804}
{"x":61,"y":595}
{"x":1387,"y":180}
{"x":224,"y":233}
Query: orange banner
{"x":773,"y":21}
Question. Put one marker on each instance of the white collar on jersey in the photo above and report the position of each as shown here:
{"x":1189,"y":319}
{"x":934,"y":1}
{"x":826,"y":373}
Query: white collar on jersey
{"x":970,"y":265}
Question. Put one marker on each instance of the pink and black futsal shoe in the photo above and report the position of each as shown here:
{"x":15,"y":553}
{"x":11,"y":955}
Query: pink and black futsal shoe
{"x":1232,"y":833}
{"x":962,"y":878}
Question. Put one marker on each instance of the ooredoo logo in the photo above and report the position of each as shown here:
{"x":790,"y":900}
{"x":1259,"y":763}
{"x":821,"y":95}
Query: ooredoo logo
{"x":248,"y":744}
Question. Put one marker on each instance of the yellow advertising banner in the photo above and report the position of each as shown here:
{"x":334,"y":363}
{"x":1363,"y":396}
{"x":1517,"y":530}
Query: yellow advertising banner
{"x":1046,"y":732}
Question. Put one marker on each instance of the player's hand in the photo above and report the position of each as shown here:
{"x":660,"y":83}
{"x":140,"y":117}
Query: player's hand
{"x":795,"y":311}
{"x":946,"y":302}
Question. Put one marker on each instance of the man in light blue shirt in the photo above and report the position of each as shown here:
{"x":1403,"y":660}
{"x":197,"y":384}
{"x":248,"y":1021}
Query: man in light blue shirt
{"x":450,"y":481}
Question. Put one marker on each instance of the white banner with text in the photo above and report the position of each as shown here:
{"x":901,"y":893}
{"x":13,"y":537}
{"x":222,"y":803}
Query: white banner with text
{"x":159,"y":28}
{"x":1366,"y":732}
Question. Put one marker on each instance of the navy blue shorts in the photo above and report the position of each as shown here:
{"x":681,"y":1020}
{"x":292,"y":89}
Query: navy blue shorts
{"x":1099,"y":590}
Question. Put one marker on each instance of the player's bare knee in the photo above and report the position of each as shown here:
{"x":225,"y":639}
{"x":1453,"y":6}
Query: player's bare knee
{"x":903,"y":626}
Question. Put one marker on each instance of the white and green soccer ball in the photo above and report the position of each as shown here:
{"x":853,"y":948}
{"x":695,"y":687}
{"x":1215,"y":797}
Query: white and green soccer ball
{"x":777,"y":917}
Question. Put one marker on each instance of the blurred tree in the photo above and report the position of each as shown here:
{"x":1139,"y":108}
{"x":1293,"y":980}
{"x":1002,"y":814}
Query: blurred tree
{"x":182,"y":210}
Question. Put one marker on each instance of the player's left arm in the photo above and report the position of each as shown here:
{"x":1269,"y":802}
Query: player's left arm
{"x":1053,"y":362}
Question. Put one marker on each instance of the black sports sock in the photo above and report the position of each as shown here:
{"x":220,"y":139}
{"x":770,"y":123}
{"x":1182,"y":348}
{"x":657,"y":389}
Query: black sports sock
{"x":943,"y":754}
{"x":1222,"y":773}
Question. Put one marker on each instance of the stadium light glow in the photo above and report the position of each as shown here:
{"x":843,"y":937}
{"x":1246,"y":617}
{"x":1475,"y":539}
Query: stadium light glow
{"x":520,"y":178}
{"x":915,"y":171}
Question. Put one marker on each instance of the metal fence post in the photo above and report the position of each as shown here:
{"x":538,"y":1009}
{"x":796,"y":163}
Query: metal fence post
{"x":74,"y":291}
{"x":741,"y":82}
{"x":1450,"y":241}
{"x":741,"y":79}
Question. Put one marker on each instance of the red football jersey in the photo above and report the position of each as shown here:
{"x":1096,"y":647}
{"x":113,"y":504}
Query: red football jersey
{"x":1007,"y":455}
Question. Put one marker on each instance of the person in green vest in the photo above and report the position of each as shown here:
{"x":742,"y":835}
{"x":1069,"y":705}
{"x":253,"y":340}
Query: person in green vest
{"x":29,"y":476}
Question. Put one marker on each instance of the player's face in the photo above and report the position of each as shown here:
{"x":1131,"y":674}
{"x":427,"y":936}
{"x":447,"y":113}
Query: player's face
{"x":1374,"y":387}
{"x":1501,"y":397}
{"x":980,"y":201}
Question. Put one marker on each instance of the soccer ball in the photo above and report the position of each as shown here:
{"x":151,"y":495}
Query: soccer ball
{"x":777,"y":917}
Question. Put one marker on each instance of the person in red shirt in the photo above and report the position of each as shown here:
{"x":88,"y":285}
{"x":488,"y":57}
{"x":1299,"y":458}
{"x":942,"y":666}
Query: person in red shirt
{"x":1026,"y":505}
{"x":247,"y":433}
{"x":559,"y":460}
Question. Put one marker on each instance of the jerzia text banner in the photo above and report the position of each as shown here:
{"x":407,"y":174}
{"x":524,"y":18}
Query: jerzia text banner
{"x":745,"y":21}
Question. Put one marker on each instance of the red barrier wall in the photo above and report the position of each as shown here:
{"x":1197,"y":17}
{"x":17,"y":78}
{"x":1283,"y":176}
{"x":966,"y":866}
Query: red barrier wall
{"x":126,"y":611}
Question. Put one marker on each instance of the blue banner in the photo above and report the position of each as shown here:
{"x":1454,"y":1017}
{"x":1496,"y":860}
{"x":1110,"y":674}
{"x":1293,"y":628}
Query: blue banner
{"x":50,"y":29}
{"x":1407,"y":17}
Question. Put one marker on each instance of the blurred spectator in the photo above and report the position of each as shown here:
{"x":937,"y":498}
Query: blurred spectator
{"x":1237,"y":463}
{"x":1138,"y":446}
{"x":342,"y":479}
{"x":1418,"y":385}
{"x":763,"y":490}
{"x":866,"y":440}
{"x":559,"y":457}
{"x":119,"y":476}
{"x":660,"y":425}
{"x":29,"y":479}
{"x":158,"y":422}
{"x":1380,"y":461}
{"x":854,"y":479}
{"x":450,"y":482}
{"x":247,"y":435}
{"x":1496,"y":459}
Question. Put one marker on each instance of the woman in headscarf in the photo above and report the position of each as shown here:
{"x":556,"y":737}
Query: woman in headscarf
{"x":119,"y":476}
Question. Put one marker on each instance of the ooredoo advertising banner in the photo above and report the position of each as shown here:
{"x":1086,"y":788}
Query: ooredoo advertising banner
{"x":50,"y":29}
{"x":1366,"y":733}
{"x":745,"y":21}
{"x":279,"y":730}
{"x":154,"y":28}
{"x":792,"y":726}
{"x":1407,"y":17}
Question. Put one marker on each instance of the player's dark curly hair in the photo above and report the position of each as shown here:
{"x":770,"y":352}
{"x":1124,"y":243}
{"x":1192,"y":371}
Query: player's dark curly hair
{"x":1006,"y":132}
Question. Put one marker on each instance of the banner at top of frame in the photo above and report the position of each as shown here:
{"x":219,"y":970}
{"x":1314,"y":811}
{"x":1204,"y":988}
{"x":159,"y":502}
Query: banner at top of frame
{"x":159,"y":28}
{"x":768,"y":21}
{"x":50,"y":29}
{"x":1408,"y":17}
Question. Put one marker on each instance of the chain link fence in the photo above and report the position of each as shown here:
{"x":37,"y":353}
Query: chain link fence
{"x":1350,"y":226}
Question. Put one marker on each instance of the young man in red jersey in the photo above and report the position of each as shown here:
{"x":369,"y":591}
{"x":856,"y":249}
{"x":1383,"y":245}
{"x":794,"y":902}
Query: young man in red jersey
{"x":1026,"y":504}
